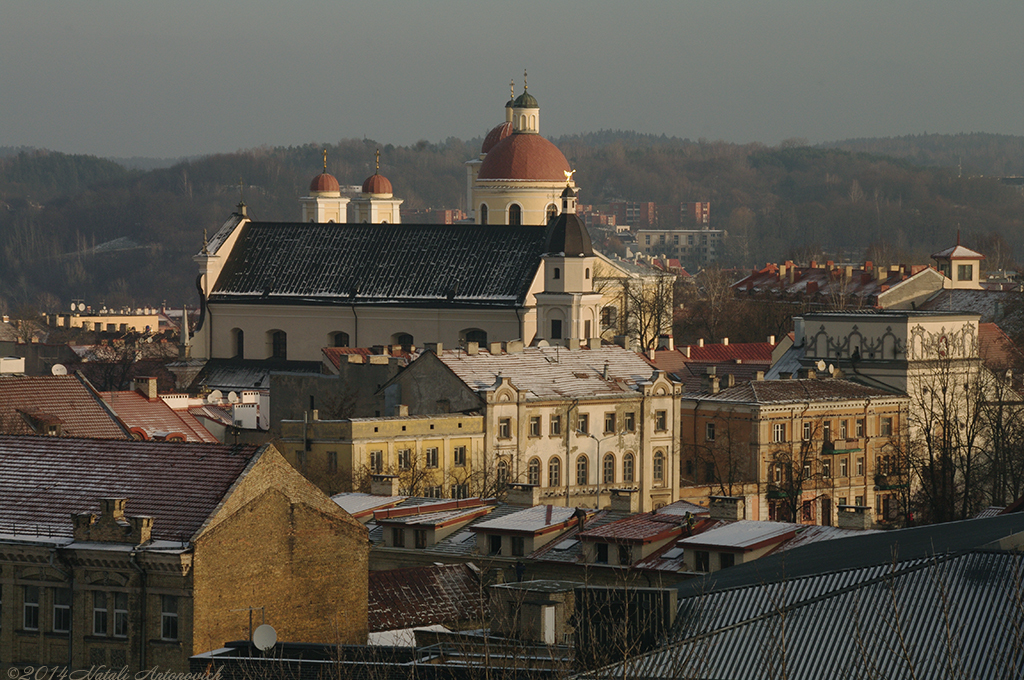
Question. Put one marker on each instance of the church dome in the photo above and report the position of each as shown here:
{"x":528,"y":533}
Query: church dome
{"x":377,"y":184}
{"x":526,"y":101}
{"x":324,"y":182}
{"x":497,"y":134}
{"x":524,"y":157}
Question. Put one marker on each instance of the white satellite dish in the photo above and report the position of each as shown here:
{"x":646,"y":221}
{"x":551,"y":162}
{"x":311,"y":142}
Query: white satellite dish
{"x":264,"y":637}
{"x":820,"y":365}
{"x":831,"y":369}
{"x":74,"y":307}
{"x":233,"y":397}
{"x":215,"y":397}
{"x":59,"y":369}
{"x":81,"y":306}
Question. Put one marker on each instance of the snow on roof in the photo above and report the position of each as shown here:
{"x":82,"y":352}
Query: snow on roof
{"x":741,"y":535}
{"x":554,"y":372}
{"x":528,"y":520}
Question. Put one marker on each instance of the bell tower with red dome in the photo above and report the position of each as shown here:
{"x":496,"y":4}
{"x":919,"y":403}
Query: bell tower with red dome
{"x":377,"y":203}
{"x":325,"y":202}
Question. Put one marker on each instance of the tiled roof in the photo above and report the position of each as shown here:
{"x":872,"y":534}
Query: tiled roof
{"x":43,"y":480}
{"x":996,"y":349}
{"x":743,"y":352}
{"x":155,"y":418}
{"x":554,"y":372}
{"x":420,"y":596}
{"x":990,"y":305}
{"x":64,"y":399}
{"x":428,"y":265}
{"x":791,"y":391}
{"x":567,"y":547}
{"x":639,"y":528}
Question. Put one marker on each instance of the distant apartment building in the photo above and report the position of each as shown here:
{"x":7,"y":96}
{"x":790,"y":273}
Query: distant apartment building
{"x":639,"y":215}
{"x":690,"y":246}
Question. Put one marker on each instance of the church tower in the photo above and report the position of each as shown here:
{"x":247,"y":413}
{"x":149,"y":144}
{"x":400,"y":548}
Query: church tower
{"x":324,"y":203}
{"x":377,"y":204}
{"x":568,"y":309}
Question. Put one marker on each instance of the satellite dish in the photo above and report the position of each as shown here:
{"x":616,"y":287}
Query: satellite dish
{"x":215,"y":397}
{"x":233,"y":397}
{"x":264,"y":637}
{"x":74,"y":307}
{"x":820,"y":365}
{"x":81,"y":306}
{"x":59,"y":369}
{"x":831,"y":369}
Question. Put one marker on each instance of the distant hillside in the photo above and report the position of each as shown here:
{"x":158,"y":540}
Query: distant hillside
{"x":979,"y":153}
{"x":63,"y":211}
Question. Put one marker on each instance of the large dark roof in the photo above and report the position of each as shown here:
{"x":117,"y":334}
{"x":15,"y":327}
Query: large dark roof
{"x":425,"y":265}
{"x":43,"y":480}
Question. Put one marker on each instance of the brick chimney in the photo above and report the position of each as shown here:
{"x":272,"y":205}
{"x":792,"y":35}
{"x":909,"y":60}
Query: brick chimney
{"x":146,"y":387}
{"x":525,"y":495}
{"x":384,"y":485}
{"x":728,"y":508}
{"x":112,"y":525}
{"x":625,"y":500}
{"x":854,"y":517}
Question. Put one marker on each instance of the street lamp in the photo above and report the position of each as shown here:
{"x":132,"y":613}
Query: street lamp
{"x":600,"y":463}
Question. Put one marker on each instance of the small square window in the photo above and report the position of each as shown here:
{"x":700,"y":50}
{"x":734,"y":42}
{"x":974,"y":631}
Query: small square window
{"x":583,"y":423}
{"x":702,"y":560}
{"x":609,"y":423}
{"x":709,"y":432}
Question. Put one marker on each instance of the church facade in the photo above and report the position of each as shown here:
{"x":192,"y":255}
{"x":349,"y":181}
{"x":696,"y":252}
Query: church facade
{"x":350,"y":274}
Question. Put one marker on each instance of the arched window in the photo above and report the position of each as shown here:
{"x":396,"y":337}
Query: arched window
{"x":339,"y":339}
{"x":483,"y":213}
{"x":627,"y":467}
{"x":554,"y":472}
{"x":502,"y":473}
{"x":403,"y":339}
{"x":533,"y":472}
{"x":586,"y":273}
{"x":515,"y":215}
{"x":522,"y":122}
{"x":557,"y":274}
{"x":552,"y":212}
{"x":609,"y":468}
{"x":278,"y":345}
{"x":533,"y":122}
{"x":582,"y":470}
{"x":473,"y":335}
{"x":658,"y":468}
{"x":238,"y":342}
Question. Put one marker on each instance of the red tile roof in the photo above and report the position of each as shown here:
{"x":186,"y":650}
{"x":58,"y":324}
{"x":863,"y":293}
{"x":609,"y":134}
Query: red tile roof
{"x":996,"y":349}
{"x":155,"y":418}
{"x":44,"y":480}
{"x":65,"y":399}
{"x":422,"y":596}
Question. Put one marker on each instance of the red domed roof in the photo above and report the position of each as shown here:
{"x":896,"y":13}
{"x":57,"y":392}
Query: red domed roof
{"x":377,"y":184}
{"x":525,"y":156}
{"x":324,"y":182}
{"x":497,"y":134}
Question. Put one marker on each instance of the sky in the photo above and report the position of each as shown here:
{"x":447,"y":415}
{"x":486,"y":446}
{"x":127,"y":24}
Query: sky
{"x":127,"y":78}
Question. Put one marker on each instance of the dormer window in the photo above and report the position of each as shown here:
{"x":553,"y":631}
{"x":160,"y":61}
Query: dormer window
{"x":965,"y":272}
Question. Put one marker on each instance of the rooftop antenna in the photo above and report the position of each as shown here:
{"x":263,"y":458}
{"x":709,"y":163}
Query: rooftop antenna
{"x":325,"y":160}
{"x":525,"y":86}
{"x":512,"y":89}
{"x":378,"y":163}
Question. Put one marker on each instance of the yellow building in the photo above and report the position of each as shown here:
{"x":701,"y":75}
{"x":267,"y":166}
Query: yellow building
{"x":434,"y":456}
{"x":142,"y":554}
{"x":797,"y":449}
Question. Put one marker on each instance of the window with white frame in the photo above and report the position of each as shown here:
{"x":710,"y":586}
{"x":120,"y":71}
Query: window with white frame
{"x":168,"y":617}
{"x":61,"y":610}
{"x":431,"y":455}
{"x":30,"y":618}
{"x":779,"y":432}
{"x":533,"y":472}
{"x":99,"y":612}
{"x":459,"y":455}
{"x":120,"y":614}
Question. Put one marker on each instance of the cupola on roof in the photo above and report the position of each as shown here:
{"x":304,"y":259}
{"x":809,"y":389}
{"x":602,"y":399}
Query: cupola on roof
{"x":377,"y":183}
{"x":325,"y":181}
{"x":525,"y":101}
{"x":567,"y":233}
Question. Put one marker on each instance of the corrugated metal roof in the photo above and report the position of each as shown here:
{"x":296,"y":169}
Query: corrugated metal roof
{"x":954,"y":616}
{"x":432,"y":265}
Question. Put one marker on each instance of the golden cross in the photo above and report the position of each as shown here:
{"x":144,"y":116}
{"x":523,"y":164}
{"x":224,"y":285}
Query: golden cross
{"x":325,"y":160}
{"x":512,"y":89}
{"x":378,"y":161}
{"x":525,"y":87}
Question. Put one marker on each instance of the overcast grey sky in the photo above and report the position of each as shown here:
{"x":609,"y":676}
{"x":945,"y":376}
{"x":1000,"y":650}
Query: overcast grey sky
{"x":182,"y":77}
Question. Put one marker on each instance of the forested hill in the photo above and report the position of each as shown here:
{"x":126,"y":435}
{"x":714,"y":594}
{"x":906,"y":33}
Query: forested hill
{"x":59,"y":214}
{"x":977,"y":153}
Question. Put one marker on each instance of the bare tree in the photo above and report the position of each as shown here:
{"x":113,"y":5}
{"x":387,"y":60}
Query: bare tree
{"x":797,"y":467}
